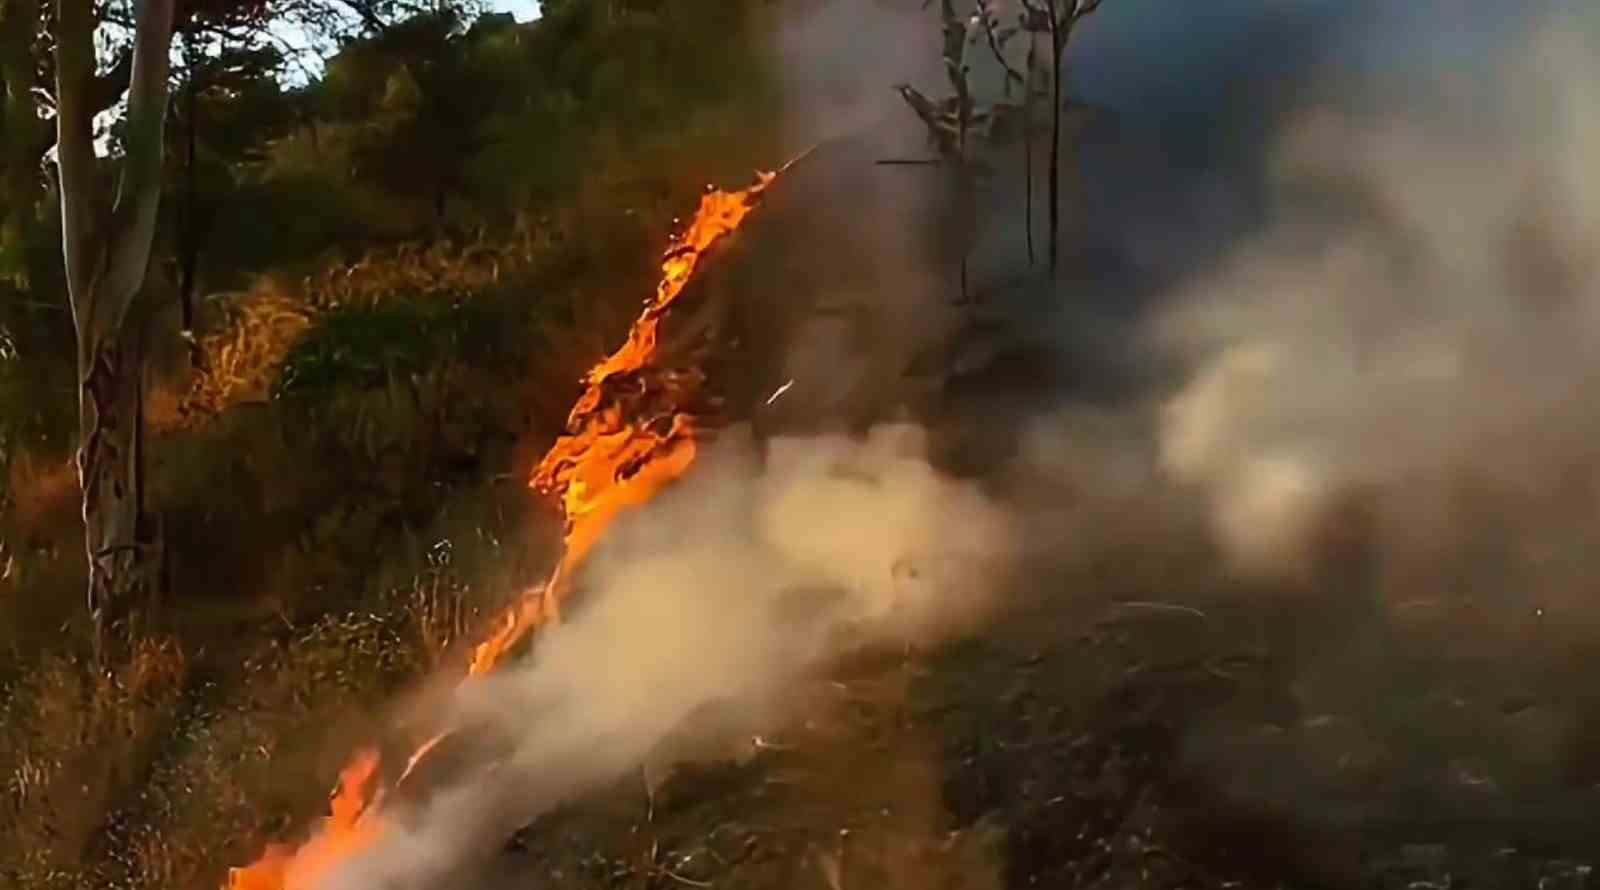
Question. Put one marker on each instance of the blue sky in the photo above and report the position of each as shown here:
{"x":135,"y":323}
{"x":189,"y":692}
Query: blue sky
{"x":522,"y":9}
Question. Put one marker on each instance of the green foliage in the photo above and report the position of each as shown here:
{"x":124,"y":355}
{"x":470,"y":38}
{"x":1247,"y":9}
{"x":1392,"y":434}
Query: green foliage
{"x":368,"y":347}
{"x":297,"y":526}
{"x":35,"y":356}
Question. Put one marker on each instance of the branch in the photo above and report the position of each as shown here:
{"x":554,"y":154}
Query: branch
{"x":75,"y":149}
{"x":994,"y":39}
{"x":110,"y":86}
{"x":105,"y":92}
{"x":133,"y":222}
{"x":1035,"y":16}
{"x":368,"y":16}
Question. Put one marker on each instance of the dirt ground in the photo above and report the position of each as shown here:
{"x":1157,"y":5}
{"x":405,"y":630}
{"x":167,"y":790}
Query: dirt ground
{"x":1110,"y":744}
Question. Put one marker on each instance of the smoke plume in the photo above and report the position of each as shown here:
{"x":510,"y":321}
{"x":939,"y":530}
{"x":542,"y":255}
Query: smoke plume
{"x":714,"y":598}
{"x":1387,"y":375}
{"x":1418,"y":324}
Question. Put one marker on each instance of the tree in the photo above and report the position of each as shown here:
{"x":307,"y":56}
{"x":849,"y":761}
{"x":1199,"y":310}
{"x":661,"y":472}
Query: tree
{"x":21,"y":128}
{"x":25,"y":133}
{"x":951,"y":121}
{"x":998,"y":36}
{"x":1056,"y":19}
{"x":106,"y":247}
{"x":423,"y":95}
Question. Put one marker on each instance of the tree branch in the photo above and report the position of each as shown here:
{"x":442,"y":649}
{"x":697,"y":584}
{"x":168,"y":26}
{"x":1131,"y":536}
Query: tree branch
{"x":987,"y":19}
{"x":75,"y":150}
{"x":110,"y":86}
{"x":368,"y":16}
{"x":107,"y":89}
{"x":133,"y":221}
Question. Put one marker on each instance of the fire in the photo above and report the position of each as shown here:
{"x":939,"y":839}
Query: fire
{"x":351,"y":825}
{"x":630,"y":434}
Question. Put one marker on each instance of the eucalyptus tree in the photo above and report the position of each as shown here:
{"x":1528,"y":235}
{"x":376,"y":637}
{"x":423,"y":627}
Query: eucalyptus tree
{"x":106,"y":240}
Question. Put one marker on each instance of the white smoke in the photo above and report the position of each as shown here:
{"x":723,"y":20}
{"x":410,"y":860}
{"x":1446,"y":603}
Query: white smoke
{"x":1431,"y":325}
{"x":723,"y":592}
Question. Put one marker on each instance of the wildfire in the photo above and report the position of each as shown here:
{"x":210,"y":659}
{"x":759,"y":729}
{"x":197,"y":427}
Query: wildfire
{"x":630,"y":434}
{"x":351,"y":825}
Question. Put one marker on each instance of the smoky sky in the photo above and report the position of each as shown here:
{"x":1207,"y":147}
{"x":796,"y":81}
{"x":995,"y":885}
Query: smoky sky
{"x":1196,"y":94}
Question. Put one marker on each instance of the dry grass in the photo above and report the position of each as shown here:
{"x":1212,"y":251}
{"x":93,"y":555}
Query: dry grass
{"x":163,"y":774}
{"x":242,"y":357}
{"x":76,"y":741}
{"x":187,"y":761}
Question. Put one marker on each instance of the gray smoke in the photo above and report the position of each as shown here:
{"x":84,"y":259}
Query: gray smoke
{"x":1419,"y":323}
{"x":1407,"y":336}
{"x":718,"y":596}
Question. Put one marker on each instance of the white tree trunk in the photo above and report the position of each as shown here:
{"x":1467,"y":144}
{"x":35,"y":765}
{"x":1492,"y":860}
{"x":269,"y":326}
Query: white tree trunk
{"x":107,"y":252}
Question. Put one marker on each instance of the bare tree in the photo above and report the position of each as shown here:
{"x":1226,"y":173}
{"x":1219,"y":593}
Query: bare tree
{"x":998,"y":36}
{"x":106,"y":247}
{"x":951,"y":123}
{"x":1056,"y":19}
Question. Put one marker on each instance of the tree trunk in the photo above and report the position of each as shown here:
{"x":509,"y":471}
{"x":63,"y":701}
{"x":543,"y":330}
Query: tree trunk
{"x":190,"y":266}
{"x":110,"y":466}
{"x":1027,"y":146}
{"x":106,"y":255}
{"x":1057,"y":43}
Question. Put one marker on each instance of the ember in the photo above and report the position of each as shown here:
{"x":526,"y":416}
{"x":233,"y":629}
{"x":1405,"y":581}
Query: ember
{"x":630,"y":434}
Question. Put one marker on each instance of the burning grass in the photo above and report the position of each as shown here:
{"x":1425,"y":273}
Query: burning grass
{"x":630,"y":434}
{"x":631,"y":431}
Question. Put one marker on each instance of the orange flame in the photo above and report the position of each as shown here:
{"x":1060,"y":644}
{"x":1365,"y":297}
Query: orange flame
{"x":629,"y":435}
{"x":351,"y":825}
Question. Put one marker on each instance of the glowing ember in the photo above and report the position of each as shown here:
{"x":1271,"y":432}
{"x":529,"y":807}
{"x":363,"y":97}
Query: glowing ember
{"x":778,"y":393}
{"x":629,"y":435}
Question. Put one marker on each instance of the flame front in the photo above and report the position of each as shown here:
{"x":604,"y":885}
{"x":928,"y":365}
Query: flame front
{"x":631,"y":431}
{"x":630,"y":434}
{"x":351,"y":826}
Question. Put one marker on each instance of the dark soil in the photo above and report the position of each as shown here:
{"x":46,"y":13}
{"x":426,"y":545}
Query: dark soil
{"x":1097,"y":744}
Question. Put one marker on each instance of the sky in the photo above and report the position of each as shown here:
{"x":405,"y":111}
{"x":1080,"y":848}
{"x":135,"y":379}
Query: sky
{"x":524,"y":10}
{"x":308,"y":64}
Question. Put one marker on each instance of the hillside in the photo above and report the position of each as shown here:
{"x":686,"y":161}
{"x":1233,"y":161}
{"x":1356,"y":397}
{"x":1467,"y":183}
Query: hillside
{"x":535,"y":508}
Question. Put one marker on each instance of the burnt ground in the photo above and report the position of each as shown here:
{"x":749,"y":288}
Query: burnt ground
{"x":1135,"y":721}
{"x":1091,"y":743}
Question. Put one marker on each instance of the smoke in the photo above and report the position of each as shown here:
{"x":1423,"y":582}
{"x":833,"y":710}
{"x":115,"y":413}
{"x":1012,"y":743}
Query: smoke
{"x":1417,"y":324}
{"x":713,"y":599}
{"x":839,"y":60}
{"x":1387,"y":376}
{"x":876,"y":276}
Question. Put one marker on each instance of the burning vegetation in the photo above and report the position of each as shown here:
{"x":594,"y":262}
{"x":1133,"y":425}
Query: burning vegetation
{"x":630,"y":434}
{"x":631,"y":431}
{"x":1241,"y":648}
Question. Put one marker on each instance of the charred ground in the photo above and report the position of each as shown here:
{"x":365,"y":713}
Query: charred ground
{"x":1078,"y":747}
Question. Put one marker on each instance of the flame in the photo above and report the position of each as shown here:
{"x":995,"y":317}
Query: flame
{"x":630,"y":434}
{"x":352,"y":824}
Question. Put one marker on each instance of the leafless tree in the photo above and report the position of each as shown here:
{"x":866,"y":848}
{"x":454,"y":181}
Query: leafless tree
{"x":1056,"y":19}
{"x":998,"y":35}
{"x":106,"y":245}
{"x":952,"y":121}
